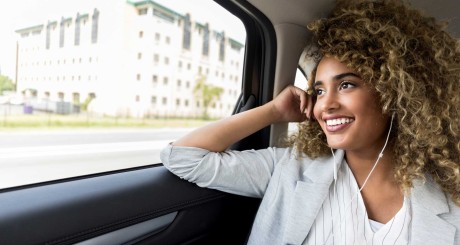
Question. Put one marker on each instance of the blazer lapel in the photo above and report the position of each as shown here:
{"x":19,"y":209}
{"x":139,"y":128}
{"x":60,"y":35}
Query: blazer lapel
{"x":308,"y":198}
{"x":428,"y":201}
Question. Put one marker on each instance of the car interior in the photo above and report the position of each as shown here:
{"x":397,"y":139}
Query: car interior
{"x":149,"y":205}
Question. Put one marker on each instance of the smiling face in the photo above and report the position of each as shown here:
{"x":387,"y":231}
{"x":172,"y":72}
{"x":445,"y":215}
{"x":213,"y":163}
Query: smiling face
{"x":347,"y":108}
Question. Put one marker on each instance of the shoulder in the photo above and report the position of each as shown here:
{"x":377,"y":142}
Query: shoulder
{"x":298,"y":166}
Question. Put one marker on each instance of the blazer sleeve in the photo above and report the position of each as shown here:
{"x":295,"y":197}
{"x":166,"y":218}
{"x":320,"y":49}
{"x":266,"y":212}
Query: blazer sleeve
{"x":245,"y":173}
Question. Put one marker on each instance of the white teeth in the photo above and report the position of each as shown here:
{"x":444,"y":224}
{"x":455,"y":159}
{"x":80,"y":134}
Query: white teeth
{"x":334,"y":122}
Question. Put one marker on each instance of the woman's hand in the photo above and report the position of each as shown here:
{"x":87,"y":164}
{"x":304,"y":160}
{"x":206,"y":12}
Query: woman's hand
{"x":292,"y":105}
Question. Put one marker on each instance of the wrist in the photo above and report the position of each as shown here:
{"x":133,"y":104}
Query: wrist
{"x":273,"y":115}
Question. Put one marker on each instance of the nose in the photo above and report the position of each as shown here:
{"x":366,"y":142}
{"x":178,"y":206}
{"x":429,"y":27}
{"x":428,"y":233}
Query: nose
{"x":328,"y":101}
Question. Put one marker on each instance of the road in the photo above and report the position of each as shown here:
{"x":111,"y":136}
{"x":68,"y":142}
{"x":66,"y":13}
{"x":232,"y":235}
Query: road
{"x":32,"y":157}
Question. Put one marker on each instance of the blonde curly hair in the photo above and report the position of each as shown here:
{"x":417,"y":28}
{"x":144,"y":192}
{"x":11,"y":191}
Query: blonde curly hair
{"x":414,"y":65}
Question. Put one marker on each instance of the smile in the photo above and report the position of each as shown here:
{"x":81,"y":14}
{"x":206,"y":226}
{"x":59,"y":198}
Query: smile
{"x":338,"y":121}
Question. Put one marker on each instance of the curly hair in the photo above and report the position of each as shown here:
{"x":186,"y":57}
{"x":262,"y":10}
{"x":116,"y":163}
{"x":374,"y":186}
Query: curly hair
{"x":414,"y":65}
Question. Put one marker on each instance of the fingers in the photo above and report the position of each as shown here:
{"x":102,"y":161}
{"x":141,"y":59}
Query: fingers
{"x":306,"y":102}
{"x":309,"y":109}
{"x":303,"y":99}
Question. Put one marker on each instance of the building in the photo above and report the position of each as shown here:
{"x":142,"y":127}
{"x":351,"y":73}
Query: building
{"x":130,"y":59}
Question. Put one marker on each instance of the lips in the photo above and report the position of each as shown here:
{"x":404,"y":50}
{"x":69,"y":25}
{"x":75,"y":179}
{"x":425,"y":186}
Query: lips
{"x":336,"y":124}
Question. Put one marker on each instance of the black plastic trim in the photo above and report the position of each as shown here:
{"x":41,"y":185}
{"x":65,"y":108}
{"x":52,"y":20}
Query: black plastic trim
{"x":259,"y":66}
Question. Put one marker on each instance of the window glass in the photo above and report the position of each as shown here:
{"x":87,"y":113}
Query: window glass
{"x":79,"y":96}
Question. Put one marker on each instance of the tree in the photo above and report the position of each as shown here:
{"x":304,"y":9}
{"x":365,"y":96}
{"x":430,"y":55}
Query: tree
{"x":6,"y":84}
{"x":85,"y":104}
{"x":206,"y":93}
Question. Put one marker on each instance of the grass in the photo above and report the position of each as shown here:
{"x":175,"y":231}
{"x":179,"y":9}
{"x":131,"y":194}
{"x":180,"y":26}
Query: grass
{"x":52,"y":121}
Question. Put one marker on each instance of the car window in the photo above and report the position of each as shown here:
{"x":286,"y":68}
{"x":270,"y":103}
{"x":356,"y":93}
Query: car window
{"x":94,"y":86}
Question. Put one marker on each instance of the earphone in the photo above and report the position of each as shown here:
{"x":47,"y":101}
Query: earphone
{"x":365,"y":181}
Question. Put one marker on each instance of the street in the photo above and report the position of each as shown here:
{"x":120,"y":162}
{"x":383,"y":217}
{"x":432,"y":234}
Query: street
{"x":33,"y":157}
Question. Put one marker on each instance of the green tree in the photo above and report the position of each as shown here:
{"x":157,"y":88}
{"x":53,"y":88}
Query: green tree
{"x":85,"y":104}
{"x":6,"y":84}
{"x":206,"y":93}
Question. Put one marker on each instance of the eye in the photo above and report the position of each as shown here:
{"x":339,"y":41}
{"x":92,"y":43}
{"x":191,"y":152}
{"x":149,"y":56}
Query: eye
{"x":318,"y":91}
{"x":346,"y":85}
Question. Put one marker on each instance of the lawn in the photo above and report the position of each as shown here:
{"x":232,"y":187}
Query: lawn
{"x":50,"y":121}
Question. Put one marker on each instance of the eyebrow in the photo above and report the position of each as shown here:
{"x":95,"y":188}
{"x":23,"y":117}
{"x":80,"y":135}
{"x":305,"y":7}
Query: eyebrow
{"x":338,"y":77}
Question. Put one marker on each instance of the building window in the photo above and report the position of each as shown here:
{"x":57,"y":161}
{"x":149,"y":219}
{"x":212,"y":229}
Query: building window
{"x":141,"y":34}
{"x":137,"y":98}
{"x":205,"y":50}
{"x":61,"y":96}
{"x":168,"y":40}
{"x":189,"y":66}
{"x":164,"y":100}
{"x":94,"y":26}
{"x":177,"y":102}
{"x":186,"y":102}
{"x":180,"y":64}
{"x":187,"y":84}
{"x":76,"y":98}
{"x":222,"y":47}
{"x":179,"y":83}
{"x":153,"y":100}
{"x":157,"y":37}
{"x":166,"y":61}
{"x":187,"y":32}
{"x":165,"y":81}
{"x":61,"y":33}
{"x":142,"y":11}
{"x":138,"y":77}
{"x":48,"y":35}
{"x":77,"y":30}
{"x":139,"y":56}
{"x":154,"y":79}
{"x":156,"y":58}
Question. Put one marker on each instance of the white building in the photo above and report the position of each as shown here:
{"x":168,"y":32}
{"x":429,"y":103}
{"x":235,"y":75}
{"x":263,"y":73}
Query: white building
{"x":134,"y":58}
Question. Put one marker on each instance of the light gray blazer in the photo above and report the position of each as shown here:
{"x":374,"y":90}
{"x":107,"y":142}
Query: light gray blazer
{"x":293,"y":190}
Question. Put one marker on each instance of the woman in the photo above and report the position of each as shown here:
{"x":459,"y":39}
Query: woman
{"x":377,"y":161}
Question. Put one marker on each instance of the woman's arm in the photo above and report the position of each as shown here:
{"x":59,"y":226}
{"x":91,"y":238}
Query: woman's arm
{"x":288,"y":106}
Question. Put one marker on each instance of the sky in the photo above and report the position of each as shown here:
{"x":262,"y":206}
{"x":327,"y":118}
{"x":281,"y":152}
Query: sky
{"x":25,"y":13}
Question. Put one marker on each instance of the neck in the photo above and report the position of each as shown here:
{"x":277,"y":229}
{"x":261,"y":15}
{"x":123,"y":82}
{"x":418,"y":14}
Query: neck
{"x":361,"y":163}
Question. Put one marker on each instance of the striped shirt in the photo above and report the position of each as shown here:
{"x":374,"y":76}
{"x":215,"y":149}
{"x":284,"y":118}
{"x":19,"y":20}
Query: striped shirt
{"x":343,"y":218}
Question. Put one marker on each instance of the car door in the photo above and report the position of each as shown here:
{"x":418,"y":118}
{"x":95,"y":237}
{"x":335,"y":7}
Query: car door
{"x":147,"y":204}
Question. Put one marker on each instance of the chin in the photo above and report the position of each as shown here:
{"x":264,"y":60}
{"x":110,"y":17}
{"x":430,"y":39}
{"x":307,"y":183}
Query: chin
{"x":337,"y":145}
